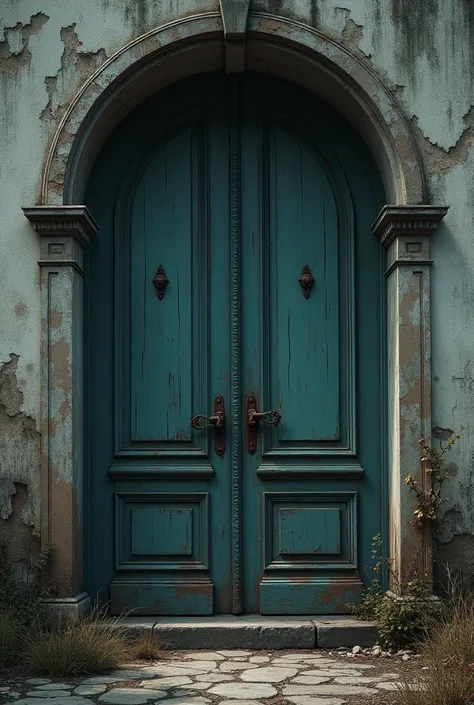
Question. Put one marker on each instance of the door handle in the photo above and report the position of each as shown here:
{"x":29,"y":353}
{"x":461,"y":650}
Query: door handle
{"x":217,"y":421}
{"x":254,"y":417}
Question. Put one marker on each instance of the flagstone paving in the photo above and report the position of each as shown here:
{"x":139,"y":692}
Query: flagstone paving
{"x":237,"y":677}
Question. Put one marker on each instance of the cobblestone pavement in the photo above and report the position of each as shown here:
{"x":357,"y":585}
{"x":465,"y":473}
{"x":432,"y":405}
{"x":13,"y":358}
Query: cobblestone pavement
{"x":236,"y":677}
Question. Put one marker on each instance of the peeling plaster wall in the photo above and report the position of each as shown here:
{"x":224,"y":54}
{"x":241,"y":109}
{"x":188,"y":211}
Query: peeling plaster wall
{"x":19,"y":458}
{"x":423,"y":50}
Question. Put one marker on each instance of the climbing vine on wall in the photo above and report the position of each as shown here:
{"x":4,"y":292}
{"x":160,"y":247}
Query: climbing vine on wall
{"x":428,"y":494}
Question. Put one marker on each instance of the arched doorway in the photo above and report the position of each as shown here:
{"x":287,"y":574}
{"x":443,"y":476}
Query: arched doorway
{"x":192,"y":45}
{"x":234,"y":271}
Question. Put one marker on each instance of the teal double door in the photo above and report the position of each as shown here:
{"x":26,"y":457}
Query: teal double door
{"x":235,"y":425}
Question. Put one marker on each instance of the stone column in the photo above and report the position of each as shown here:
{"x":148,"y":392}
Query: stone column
{"x":64,"y":232}
{"x":405,"y":231}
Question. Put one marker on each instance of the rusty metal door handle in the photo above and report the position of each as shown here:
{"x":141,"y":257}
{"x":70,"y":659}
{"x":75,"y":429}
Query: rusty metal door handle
{"x":253,"y":419}
{"x":200,"y":422}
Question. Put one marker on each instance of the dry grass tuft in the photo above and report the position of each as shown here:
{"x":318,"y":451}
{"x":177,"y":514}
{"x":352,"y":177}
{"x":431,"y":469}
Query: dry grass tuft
{"x":438,"y":687}
{"x":90,"y":645}
{"x":452,"y":636}
{"x":145,"y":647}
{"x":448,"y":653}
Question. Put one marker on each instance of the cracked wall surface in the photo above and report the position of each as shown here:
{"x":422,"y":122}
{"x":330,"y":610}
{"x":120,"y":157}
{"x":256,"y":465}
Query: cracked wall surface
{"x":423,"y":51}
{"x":19,"y":466}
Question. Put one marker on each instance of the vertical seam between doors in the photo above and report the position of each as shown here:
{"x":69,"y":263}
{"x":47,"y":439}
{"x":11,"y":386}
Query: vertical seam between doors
{"x":235,"y":346}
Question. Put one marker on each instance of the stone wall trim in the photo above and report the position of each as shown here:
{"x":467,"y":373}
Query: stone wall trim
{"x":64,"y":232}
{"x":405,"y":231}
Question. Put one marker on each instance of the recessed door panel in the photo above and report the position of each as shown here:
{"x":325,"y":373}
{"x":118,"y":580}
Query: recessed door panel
{"x":161,"y":334}
{"x":162,"y":275}
{"x":303,"y":313}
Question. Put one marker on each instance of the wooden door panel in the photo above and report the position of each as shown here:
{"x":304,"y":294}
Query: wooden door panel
{"x":310,"y":543}
{"x":162,"y":531}
{"x":162,"y":342}
{"x":161,"y":335}
{"x":303,"y":333}
{"x":299,"y":357}
{"x":165,"y":537}
{"x":169,"y":530}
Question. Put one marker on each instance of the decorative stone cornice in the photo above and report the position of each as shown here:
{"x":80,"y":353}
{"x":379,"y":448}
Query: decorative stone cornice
{"x":63,"y":221}
{"x":393,"y":221}
{"x":234,"y":19}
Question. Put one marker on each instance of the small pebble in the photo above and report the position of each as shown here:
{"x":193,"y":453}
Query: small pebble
{"x":356,"y":650}
{"x":405,"y":657}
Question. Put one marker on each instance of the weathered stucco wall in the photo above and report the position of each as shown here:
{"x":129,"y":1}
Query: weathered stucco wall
{"x":424,"y":53}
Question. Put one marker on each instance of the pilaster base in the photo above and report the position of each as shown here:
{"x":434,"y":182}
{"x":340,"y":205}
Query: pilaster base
{"x":432,"y":600}
{"x":66,"y":609}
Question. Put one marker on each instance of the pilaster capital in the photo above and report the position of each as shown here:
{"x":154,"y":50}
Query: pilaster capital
{"x":418,"y":221}
{"x":63,"y":221}
{"x":405,"y":233}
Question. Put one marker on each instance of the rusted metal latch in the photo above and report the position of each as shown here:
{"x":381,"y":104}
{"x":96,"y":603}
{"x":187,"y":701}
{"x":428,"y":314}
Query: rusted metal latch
{"x":160,"y":281}
{"x":253,"y":419}
{"x":306,"y":281}
{"x":201,"y":422}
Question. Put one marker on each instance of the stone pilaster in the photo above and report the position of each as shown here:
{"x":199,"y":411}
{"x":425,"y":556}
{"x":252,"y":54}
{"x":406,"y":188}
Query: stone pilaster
{"x":405,"y":231}
{"x":64,"y":232}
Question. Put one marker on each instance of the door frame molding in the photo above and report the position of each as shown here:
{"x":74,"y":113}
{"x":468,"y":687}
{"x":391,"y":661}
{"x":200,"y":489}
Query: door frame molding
{"x":198,"y":44}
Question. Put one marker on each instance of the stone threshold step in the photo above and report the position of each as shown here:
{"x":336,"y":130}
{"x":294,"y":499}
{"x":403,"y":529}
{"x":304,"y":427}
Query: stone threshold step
{"x":257,"y":632}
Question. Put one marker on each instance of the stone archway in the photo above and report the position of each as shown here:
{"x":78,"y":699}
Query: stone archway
{"x":197,"y":44}
{"x":194,"y":45}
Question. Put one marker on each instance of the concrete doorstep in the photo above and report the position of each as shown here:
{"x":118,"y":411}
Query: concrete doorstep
{"x":257,"y":632}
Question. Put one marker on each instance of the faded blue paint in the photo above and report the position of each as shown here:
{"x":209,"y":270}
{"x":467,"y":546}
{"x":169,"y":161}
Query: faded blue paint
{"x":161,"y":350}
{"x":302,"y":334}
{"x":310,"y":530}
{"x":162,"y":532}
